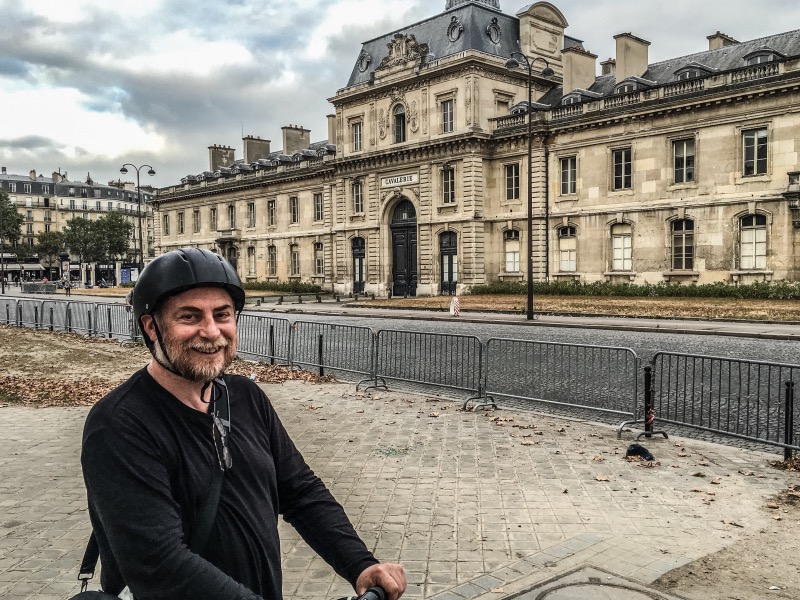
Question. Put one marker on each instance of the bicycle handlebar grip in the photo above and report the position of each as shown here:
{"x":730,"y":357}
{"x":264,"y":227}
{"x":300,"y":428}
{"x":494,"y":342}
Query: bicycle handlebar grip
{"x":373,"y":593}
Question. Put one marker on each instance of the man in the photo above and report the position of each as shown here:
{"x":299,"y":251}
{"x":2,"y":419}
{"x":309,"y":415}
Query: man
{"x":150,"y":449}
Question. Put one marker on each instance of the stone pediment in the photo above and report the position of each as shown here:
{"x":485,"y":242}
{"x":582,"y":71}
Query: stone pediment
{"x":403,"y":49}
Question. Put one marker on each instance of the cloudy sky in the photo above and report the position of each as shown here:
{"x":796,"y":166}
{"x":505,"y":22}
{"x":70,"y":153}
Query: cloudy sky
{"x":86,"y":85}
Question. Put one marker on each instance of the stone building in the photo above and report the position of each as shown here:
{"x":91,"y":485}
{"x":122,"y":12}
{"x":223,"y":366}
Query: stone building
{"x":685,"y":170}
{"x":48,"y":202}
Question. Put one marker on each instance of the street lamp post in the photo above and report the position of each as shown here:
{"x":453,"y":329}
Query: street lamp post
{"x":151,"y":172}
{"x":513,"y":63}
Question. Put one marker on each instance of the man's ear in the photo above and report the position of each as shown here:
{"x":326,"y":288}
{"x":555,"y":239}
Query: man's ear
{"x":149,"y":326}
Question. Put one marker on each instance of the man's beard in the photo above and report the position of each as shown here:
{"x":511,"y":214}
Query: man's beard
{"x":196,"y":366}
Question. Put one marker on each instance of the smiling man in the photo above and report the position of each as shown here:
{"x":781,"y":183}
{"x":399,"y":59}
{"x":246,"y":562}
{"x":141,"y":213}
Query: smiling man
{"x":153,"y":447}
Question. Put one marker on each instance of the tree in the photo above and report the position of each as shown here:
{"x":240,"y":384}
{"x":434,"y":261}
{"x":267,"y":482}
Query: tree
{"x":10,"y":221}
{"x":114,"y":231}
{"x":79,"y":238}
{"x":49,"y":245}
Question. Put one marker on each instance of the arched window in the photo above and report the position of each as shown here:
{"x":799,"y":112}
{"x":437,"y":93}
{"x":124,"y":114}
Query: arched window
{"x":753,"y":242}
{"x":621,"y":247}
{"x":567,"y":249}
{"x":511,"y":248}
{"x":319,"y":260}
{"x":683,"y":245}
{"x":399,"y":124}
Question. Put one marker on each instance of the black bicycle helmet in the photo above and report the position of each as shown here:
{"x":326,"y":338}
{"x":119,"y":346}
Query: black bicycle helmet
{"x":181,"y":270}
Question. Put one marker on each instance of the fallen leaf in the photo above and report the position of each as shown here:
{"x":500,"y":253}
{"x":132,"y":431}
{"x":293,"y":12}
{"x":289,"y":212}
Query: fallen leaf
{"x":599,"y":458}
{"x":772,"y":505}
{"x":746,"y":473}
{"x":601,"y":478}
{"x":716,"y":481}
{"x":434,"y":414}
{"x":497,"y":590}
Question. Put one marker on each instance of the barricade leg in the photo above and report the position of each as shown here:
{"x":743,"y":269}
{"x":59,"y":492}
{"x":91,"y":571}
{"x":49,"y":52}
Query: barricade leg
{"x":649,"y":411}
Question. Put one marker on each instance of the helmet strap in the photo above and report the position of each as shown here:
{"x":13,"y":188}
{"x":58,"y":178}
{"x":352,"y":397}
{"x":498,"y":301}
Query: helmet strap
{"x":168,"y":364}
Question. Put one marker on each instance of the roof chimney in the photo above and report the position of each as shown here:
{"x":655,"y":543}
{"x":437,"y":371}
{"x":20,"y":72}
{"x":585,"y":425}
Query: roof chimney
{"x":255,"y":148}
{"x":632,"y":57}
{"x":220,"y":157}
{"x":720,"y":40}
{"x":332,"y":139}
{"x":4,"y":171}
{"x":295,"y":138}
{"x":608,"y":67}
{"x":580,"y":68}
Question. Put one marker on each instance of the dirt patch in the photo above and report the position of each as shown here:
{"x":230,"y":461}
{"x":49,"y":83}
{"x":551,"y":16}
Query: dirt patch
{"x":701,"y":308}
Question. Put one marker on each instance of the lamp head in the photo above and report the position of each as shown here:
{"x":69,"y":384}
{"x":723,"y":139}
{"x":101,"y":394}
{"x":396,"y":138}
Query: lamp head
{"x":512,"y":63}
{"x":123,"y":170}
{"x":548,"y":72}
{"x":151,"y":172}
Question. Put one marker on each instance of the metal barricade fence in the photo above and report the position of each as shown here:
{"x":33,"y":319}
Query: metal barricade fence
{"x":430,"y":359}
{"x":597,"y":378}
{"x":332,"y":349}
{"x":29,"y":313}
{"x":740,"y":398}
{"x":264,"y":338}
{"x":8,"y":311}
{"x":115,"y":320}
{"x":55,"y":315}
{"x":80,"y":318}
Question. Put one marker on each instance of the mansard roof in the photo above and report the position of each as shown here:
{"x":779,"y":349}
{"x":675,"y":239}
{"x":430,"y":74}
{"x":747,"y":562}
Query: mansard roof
{"x":466,"y":26}
{"x":727,"y":58}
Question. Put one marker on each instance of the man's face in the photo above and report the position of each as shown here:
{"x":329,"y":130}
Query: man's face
{"x":199,"y":331}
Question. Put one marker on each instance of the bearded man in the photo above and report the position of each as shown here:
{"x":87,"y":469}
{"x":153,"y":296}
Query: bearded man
{"x":154,"y":445}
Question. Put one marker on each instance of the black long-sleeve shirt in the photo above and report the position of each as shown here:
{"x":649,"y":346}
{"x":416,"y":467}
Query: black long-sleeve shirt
{"x":148,"y":461}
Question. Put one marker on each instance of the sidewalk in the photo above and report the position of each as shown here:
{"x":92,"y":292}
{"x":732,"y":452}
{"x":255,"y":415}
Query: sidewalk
{"x":476,"y":505}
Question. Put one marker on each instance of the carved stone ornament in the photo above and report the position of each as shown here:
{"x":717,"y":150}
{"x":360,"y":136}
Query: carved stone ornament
{"x":413,"y":121}
{"x":382,"y":125}
{"x":493,"y":31}
{"x":455,"y":29}
{"x":363,"y":61}
{"x":403,"y":49}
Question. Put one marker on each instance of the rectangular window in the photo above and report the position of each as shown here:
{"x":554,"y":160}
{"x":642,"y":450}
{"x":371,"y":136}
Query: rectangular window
{"x":181,"y":224}
{"x":356,"y":131}
{"x":231,"y":216}
{"x":448,"y":185}
{"x":48,"y":216}
{"x":251,"y":214}
{"x":512,"y":182}
{"x":683,"y":152}
{"x":569,"y":172}
{"x":110,"y":206}
{"x":29,"y":229}
{"x":12,"y":187}
{"x":447,"y":116}
{"x":47,"y":228}
{"x":165,"y":226}
{"x":358,"y":197}
{"x":26,"y":188}
{"x":98,"y":193}
{"x":754,"y":144}
{"x":295,"y":261}
{"x":511,"y":238}
{"x":72,"y":203}
{"x":196,"y":221}
{"x":753,"y":242}
{"x":318,"y":207}
{"x":567,"y":250}
{"x":271,"y":213}
{"x":213,"y":219}
{"x":45,"y":189}
{"x":97,"y":205}
{"x":29,"y":215}
{"x":251,"y":261}
{"x":622,"y":169}
{"x":683,"y":245}
{"x":294,"y":210}
{"x":272,"y":261}
{"x":319,"y":261}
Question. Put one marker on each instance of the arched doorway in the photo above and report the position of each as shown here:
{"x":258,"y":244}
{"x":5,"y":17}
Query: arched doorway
{"x":404,"y":250}
{"x":448,"y":251}
{"x":359,"y":254}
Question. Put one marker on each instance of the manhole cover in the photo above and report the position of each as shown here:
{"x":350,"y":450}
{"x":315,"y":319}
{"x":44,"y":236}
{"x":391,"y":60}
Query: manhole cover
{"x":591,"y":583}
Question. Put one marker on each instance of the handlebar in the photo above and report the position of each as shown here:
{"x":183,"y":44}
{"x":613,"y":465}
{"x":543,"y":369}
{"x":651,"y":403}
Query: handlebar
{"x":373,"y":593}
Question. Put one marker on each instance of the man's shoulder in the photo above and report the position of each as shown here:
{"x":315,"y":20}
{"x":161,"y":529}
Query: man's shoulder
{"x":127,"y":394}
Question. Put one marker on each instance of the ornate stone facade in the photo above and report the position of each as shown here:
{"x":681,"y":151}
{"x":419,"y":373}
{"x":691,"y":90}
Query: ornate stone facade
{"x":683,"y":171}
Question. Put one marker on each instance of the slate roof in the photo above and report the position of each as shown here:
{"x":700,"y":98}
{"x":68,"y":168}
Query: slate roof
{"x":727,"y":58}
{"x":474,"y":19}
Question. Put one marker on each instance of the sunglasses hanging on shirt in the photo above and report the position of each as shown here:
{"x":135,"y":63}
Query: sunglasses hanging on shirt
{"x":221,"y":422}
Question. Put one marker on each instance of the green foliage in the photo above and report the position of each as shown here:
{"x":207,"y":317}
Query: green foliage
{"x":48,"y":246}
{"x":778,"y":290}
{"x":10,"y":221}
{"x":289,"y":287}
{"x":104,"y":239}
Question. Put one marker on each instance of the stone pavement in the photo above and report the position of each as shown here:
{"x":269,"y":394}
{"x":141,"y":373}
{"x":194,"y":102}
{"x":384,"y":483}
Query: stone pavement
{"x":476,"y":505}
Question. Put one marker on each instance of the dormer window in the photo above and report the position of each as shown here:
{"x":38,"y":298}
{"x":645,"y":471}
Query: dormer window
{"x":689,"y":74}
{"x":574,"y":99}
{"x":626,"y":88}
{"x":761,"y":56}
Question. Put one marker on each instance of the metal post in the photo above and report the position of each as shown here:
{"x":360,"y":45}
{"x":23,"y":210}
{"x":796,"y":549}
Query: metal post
{"x":109,"y":323}
{"x":272,"y":344}
{"x":529,"y":312}
{"x":319,"y":356}
{"x":788,"y":435}
{"x":649,"y":414}
{"x":51,"y":319}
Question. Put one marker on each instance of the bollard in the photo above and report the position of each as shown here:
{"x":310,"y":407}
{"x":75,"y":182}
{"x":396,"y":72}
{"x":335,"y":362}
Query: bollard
{"x":319,"y":299}
{"x":788,"y":435}
{"x":280,"y":300}
{"x":372,"y":296}
{"x":258,"y":302}
{"x":319,"y":356}
{"x":337,"y":297}
{"x":299,"y":299}
{"x":355,"y":297}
